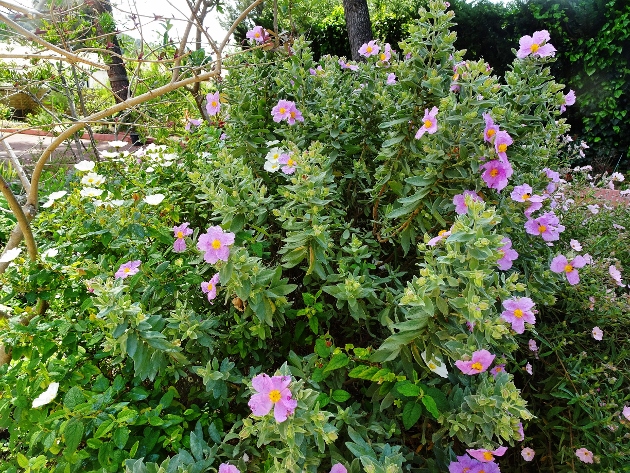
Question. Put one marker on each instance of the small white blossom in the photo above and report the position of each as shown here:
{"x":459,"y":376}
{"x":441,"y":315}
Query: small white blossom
{"x":47,"y":396}
{"x":85,"y":165}
{"x":50,"y":253}
{"x":10,"y":255}
{"x":154,"y":199}
{"x":92,"y":179}
{"x":435,"y":364}
{"x":90,"y":192}
{"x":118,"y":144}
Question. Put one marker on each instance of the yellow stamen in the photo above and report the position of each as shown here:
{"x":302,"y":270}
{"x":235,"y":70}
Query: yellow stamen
{"x":442,"y":232}
{"x":283,"y":111}
{"x":568,"y":268}
{"x":535,"y":47}
{"x":502,"y":148}
{"x":477,"y":366}
{"x":428,"y":123}
{"x":216,"y":244}
{"x":542,"y":228}
{"x":290,"y":162}
{"x":526,"y":196}
{"x":180,"y":234}
{"x":368,"y":49}
{"x":274,"y":396}
{"x":126,"y":270}
{"x":518,"y":313}
{"x":491,"y":132}
{"x":214,"y":103}
{"x":488,"y":456}
{"x":494,"y":172}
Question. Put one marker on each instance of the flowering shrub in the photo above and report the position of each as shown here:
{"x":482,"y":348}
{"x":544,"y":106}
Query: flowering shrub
{"x":372,"y":293}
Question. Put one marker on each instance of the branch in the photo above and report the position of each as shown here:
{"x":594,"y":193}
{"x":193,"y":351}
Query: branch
{"x":184,"y":40}
{"x":22,"y":9}
{"x":16,"y":165}
{"x":70,"y":57}
{"x":23,"y":224}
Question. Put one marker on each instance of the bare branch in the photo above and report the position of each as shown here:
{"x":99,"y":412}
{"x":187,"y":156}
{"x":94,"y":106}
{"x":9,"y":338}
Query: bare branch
{"x":16,"y":165}
{"x":22,"y":219}
{"x":22,"y":9}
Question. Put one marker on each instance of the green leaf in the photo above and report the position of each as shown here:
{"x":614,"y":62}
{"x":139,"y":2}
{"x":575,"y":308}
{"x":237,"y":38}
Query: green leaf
{"x":120,"y":437}
{"x":22,"y":460}
{"x":73,"y":397}
{"x":408,"y":389}
{"x":73,"y":434}
{"x":429,"y":403}
{"x":340,"y":395}
{"x":105,"y":427}
{"x":411,"y":413}
{"x":337,"y":361}
{"x":321,"y":349}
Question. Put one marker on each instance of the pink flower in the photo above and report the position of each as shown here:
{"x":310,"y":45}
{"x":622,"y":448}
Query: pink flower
{"x":547,"y":226}
{"x":214,"y":103}
{"x":386,"y":54}
{"x":528,"y":454}
{"x":496,"y":174}
{"x":210,"y":287}
{"x":481,"y":360}
{"x":338,"y":468}
{"x":429,"y":123}
{"x":345,"y":65}
{"x":314,"y":72}
{"x":517,"y":312}
{"x":227,"y":468}
{"x":553,"y":175}
{"x":593,"y":208}
{"x":626,"y":412}
{"x":496,"y":370}
{"x":181,"y":232}
{"x":216,"y":244}
{"x":521,"y":432}
{"x":484,"y":455}
{"x":459,"y":201}
{"x":290,"y":164}
{"x":192,"y":122}
{"x":585,"y":455}
{"x":441,"y":235}
{"x":391,"y":79}
{"x":535,"y":45}
{"x":258,"y":34}
{"x":286,"y":110}
{"x":616,"y":275}
{"x":491,"y":129}
{"x":369,"y":49}
{"x":529,"y":369}
{"x":532,"y":345}
{"x":523,"y":193}
{"x":463,"y":464}
{"x":501,"y":143}
{"x":272,"y":392}
{"x":128,"y":269}
{"x":597,"y":333}
{"x":575,"y":245}
{"x":569,"y":99}
{"x":508,"y":254}
{"x":560,"y":264}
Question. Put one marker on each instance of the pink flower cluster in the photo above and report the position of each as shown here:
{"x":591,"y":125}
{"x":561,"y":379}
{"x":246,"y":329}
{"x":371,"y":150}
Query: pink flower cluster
{"x":480,"y":460}
{"x":286,"y":110}
{"x":497,"y":171}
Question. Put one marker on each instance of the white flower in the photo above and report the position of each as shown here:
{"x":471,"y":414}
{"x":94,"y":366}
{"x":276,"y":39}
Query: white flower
{"x":109,"y":154}
{"x":85,"y":165}
{"x":10,"y":255}
{"x":47,"y":396}
{"x":92,"y":179}
{"x":117,"y":202}
{"x":435,"y":364}
{"x":154,"y":199}
{"x":166,"y":164}
{"x":150,"y":169}
{"x":169,"y":157}
{"x":576,"y":245}
{"x":597,"y":333}
{"x":118,"y":144}
{"x":528,"y":454}
{"x":594,"y":209}
{"x":271,"y":166}
{"x":57,"y":195}
{"x":90,"y":192}
{"x":50,"y":253}
{"x":626,"y":192}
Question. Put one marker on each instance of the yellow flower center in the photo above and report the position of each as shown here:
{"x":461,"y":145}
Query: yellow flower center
{"x":542,"y":228}
{"x":456,"y":76}
{"x":210,"y":287}
{"x":257,"y":35}
{"x":368,"y":49}
{"x":518,"y":313}
{"x":274,"y":396}
{"x":477,"y":366}
{"x":283,"y":111}
{"x":126,"y":270}
{"x":535,"y":47}
{"x":491,"y":132}
{"x":432,"y":365}
{"x":441,"y":232}
{"x":568,"y":268}
{"x":488,"y":456}
{"x":526,"y":196}
{"x":216,"y":244}
{"x":427,"y":123}
{"x":382,"y":56}
{"x":498,"y":369}
{"x":290,"y":162}
{"x":494,"y":173}
{"x":502,"y":148}
{"x":214,"y":103}
{"x":292,"y":113}
{"x":180,"y":234}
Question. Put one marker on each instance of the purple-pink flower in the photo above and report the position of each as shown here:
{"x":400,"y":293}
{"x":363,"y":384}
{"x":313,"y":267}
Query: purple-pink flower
{"x":192,"y":122}
{"x":290,"y":164}
{"x":258,"y":34}
{"x":491,"y":129}
{"x":227,"y":468}
{"x":528,"y":454}
{"x":496,"y":174}
{"x":532,"y":345}
{"x":345,"y":65}
{"x":537,"y":45}
{"x":597,"y":333}
{"x":386,"y":54}
{"x":484,"y":455}
{"x":547,"y":226}
{"x":213,"y":105}
{"x":286,"y":110}
{"x":127,"y":269}
{"x":369,"y":49}
{"x":616,"y":275}
{"x":464,"y":464}
{"x":459,"y":201}
{"x":517,"y":312}
{"x":181,"y":231}
{"x":501,"y":142}
{"x":569,"y":99}
{"x":338,"y":468}
{"x":210,"y":287}
{"x":216,"y":244}
{"x":507,"y":254}
{"x":272,"y":392}
{"x":551,"y":174}
{"x":523,"y":193}
{"x":560,"y":264}
{"x":496,"y":370}
{"x":440,"y":236}
{"x":584,"y":455}
{"x":480,"y":362}
{"x":391,"y":79}
{"x":429,"y":123}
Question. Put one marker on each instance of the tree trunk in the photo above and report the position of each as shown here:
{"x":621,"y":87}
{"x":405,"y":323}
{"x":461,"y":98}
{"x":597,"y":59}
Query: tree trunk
{"x":358,"y":24}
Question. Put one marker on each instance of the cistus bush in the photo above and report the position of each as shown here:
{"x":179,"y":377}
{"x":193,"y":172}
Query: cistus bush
{"x":339,"y":270}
